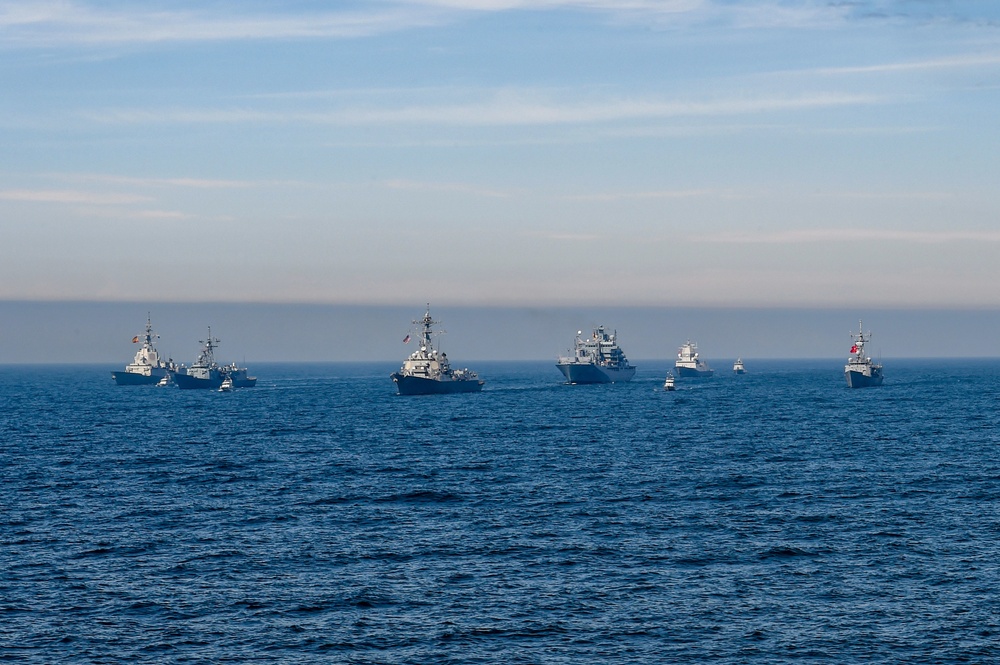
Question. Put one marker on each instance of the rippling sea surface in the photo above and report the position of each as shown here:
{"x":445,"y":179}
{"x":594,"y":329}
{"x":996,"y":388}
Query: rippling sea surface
{"x":319,"y":517}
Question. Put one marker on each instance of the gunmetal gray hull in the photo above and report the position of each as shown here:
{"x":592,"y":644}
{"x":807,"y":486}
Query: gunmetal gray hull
{"x":135,"y":379}
{"x":415,"y":385}
{"x":689,"y":373}
{"x":591,"y":373}
{"x":188,"y":382}
{"x":862,"y":380}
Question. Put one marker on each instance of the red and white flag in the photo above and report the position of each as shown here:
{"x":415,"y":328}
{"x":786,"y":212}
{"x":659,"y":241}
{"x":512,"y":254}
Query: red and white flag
{"x":854,"y":349}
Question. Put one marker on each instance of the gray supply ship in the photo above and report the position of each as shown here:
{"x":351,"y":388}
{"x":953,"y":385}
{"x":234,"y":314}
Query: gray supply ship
{"x":427,"y":370}
{"x":689,"y":365}
{"x":147,"y":368}
{"x":860,"y":371}
{"x":596,"y":359}
{"x":206,"y":374}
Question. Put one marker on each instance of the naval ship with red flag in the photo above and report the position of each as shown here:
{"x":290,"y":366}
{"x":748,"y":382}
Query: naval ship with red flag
{"x":860,"y":371}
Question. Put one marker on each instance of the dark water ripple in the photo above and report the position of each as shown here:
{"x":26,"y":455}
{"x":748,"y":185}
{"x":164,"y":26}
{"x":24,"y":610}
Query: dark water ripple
{"x":320,"y":518}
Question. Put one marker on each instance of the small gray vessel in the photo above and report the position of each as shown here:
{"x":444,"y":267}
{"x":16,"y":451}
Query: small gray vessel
{"x":860,"y":371}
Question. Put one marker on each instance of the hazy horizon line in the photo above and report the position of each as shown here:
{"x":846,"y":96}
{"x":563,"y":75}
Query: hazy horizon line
{"x":527,"y":306}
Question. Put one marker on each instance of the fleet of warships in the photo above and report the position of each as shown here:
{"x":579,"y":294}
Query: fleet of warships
{"x":594,"y":358}
{"x":148,"y":368}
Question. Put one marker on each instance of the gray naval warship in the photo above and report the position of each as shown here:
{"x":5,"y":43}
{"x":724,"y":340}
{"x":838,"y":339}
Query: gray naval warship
{"x":860,"y":371}
{"x":596,"y":359}
{"x":689,"y":364}
{"x":206,"y":374}
{"x":427,"y":370}
{"x":147,"y":368}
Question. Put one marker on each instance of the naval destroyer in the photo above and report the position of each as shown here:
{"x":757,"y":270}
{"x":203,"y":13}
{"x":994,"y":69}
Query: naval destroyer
{"x":596,"y":359}
{"x":427,"y":370}
{"x":147,"y":368}
{"x":206,"y":374}
{"x":860,"y":371}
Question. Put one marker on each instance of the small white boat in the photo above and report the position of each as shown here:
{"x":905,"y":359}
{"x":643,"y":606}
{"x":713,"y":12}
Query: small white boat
{"x":164,"y":382}
{"x":227,"y":385}
{"x":669,"y":383}
{"x":738,"y":366}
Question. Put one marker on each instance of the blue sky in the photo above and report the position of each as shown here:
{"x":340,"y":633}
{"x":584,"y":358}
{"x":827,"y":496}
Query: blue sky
{"x":502,"y":153}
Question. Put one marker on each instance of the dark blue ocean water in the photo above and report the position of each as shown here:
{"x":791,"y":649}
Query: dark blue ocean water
{"x":774,"y":517}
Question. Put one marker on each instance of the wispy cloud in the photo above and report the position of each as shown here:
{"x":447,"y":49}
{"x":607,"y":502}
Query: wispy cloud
{"x":847,"y":235}
{"x":183,"y":183}
{"x":507,"y":108}
{"x":104,"y":213}
{"x":647,"y":195}
{"x":70,"y":196}
{"x":565,"y":237}
{"x":63,"y":23}
{"x":446,"y":187}
{"x":964,"y":61}
{"x":70,"y":23}
{"x":677,"y":13}
{"x":603,"y":5}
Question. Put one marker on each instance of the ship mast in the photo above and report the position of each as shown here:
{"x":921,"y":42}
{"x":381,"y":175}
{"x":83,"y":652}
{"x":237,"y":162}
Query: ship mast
{"x":860,"y":339}
{"x":427,"y":333}
{"x":148,"y":337}
{"x":207,"y":354}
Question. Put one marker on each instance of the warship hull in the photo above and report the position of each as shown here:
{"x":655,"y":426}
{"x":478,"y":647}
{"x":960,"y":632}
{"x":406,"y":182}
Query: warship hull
{"x":415,"y":385}
{"x":589,"y":373}
{"x":857,"y":379}
{"x":188,"y":382}
{"x":692,"y":373}
{"x":135,"y":379}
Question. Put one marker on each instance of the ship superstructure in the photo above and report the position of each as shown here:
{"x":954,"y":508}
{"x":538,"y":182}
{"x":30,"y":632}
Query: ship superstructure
{"x":427,"y":371}
{"x":596,"y":359}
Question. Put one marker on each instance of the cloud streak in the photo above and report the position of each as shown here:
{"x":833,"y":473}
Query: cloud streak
{"x":446,"y":188}
{"x":69,"y":196}
{"x":181,"y":183}
{"x":504,"y":109}
{"x":804,"y":236}
{"x":63,"y":23}
{"x":964,"y":61}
